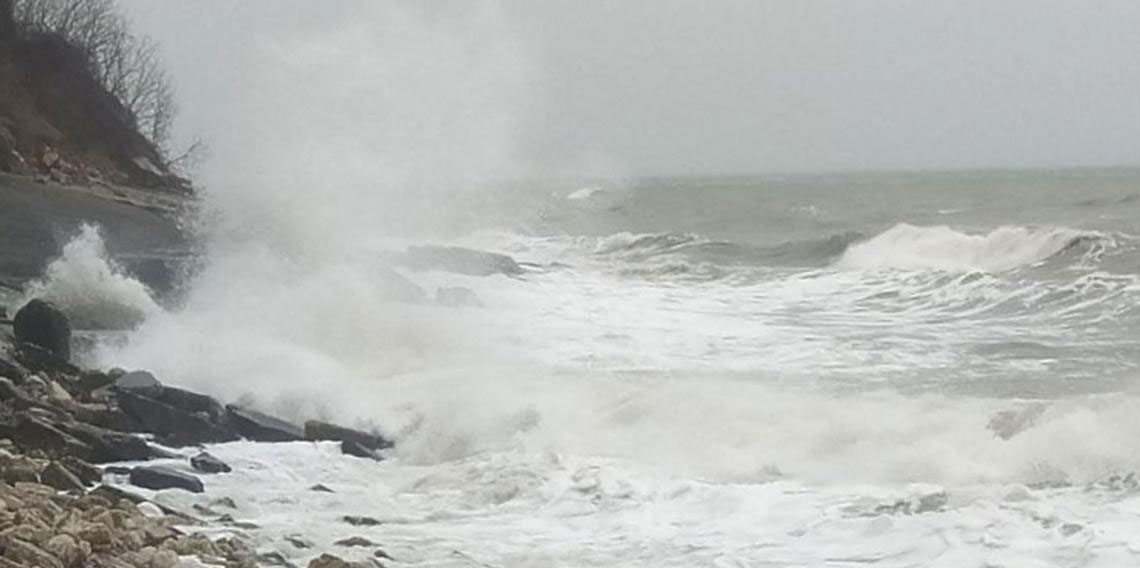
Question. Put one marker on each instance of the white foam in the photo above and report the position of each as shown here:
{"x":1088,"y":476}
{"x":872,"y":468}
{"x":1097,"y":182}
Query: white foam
{"x":529,"y":506}
{"x":583,"y":418}
{"x":584,"y":193}
{"x":90,"y":289}
{"x":910,"y":247}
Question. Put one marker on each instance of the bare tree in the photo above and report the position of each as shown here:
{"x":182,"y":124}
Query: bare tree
{"x":127,"y":65}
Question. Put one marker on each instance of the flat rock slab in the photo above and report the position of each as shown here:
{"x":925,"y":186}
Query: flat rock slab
{"x":36,"y":434}
{"x":316,"y":430}
{"x":351,"y":448}
{"x":175,"y":425}
{"x":259,"y":427}
{"x":160,"y":477}
{"x":108,"y":445}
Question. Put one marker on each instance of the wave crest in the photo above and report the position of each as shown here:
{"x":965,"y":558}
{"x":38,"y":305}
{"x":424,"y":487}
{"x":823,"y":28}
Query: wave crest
{"x":910,"y":247}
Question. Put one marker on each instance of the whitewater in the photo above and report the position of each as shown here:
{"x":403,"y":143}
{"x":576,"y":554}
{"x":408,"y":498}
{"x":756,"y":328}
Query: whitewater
{"x":895,"y":369}
{"x":789,"y":375}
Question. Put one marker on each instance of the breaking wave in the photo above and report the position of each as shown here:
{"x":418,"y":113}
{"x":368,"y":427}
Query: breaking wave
{"x":94,"y":291}
{"x":910,"y":247}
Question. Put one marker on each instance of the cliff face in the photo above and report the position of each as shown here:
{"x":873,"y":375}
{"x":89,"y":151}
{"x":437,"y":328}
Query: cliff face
{"x":57,"y":121}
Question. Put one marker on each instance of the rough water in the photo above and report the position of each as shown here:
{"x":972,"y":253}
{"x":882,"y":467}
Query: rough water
{"x":885,"y":370}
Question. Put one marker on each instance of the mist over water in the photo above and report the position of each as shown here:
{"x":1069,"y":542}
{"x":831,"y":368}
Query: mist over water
{"x":782,"y":355}
{"x":343,"y":135}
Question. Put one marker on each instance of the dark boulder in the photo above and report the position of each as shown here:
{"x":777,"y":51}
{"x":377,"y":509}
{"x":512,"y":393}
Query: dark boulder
{"x":41,"y":323}
{"x":177,"y":426}
{"x":205,"y":462}
{"x":351,"y":448}
{"x":460,"y":260}
{"x":253,"y":425}
{"x":161,"y":477}
{"x":316,"y":430}
{"x":360,"y":521}
{"x":188,"y":401}
{"x":135,"y":380}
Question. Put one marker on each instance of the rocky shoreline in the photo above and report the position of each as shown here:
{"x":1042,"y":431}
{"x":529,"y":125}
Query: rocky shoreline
{"x":65,"y":497}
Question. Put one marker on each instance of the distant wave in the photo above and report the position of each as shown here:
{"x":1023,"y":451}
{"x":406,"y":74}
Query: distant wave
{"x":584,"y":193}
{"x":910,"y":247}
{"x":698,"y":249}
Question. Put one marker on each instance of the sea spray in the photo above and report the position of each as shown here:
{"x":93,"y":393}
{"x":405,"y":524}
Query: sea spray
{"x":343,"y":134}
{"x":94,"y":291}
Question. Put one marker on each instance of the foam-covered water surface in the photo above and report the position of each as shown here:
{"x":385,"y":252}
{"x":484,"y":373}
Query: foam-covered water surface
{"x":828,"y":370}
{"x":891,"y":392}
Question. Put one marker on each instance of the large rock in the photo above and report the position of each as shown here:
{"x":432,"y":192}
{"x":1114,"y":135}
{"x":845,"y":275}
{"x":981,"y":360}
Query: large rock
{"x":259,"y":427}
{"x":206,"y":462}
{"x":188,"y":401}
{"x":107,"y":445}
{"x":350,"y":448}
{"x":191,"y":423}
{"x":316,"y":430}
{"x":136,"y":380}
{"x":460,"y":260}
{"x":32,"y":433}
{"x":41,"y":323}
{"x":161,"y":477}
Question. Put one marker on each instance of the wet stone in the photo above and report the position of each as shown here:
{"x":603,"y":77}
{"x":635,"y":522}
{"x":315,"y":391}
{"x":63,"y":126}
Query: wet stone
{"x":161,"y":477}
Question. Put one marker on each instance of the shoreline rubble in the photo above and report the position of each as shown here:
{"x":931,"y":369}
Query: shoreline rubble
{"x":63,"y":430}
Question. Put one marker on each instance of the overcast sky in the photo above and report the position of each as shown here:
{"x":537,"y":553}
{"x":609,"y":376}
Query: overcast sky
{"x":634,"y":87}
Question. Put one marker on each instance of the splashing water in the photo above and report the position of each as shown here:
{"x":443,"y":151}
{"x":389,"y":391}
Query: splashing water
{"x":94,"y":292}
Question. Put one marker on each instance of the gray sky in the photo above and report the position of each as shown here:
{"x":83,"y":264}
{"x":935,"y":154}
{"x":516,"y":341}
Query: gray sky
{"x":559,"y":87}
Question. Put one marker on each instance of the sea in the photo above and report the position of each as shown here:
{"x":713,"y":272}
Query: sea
{"x":841,"y":370}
